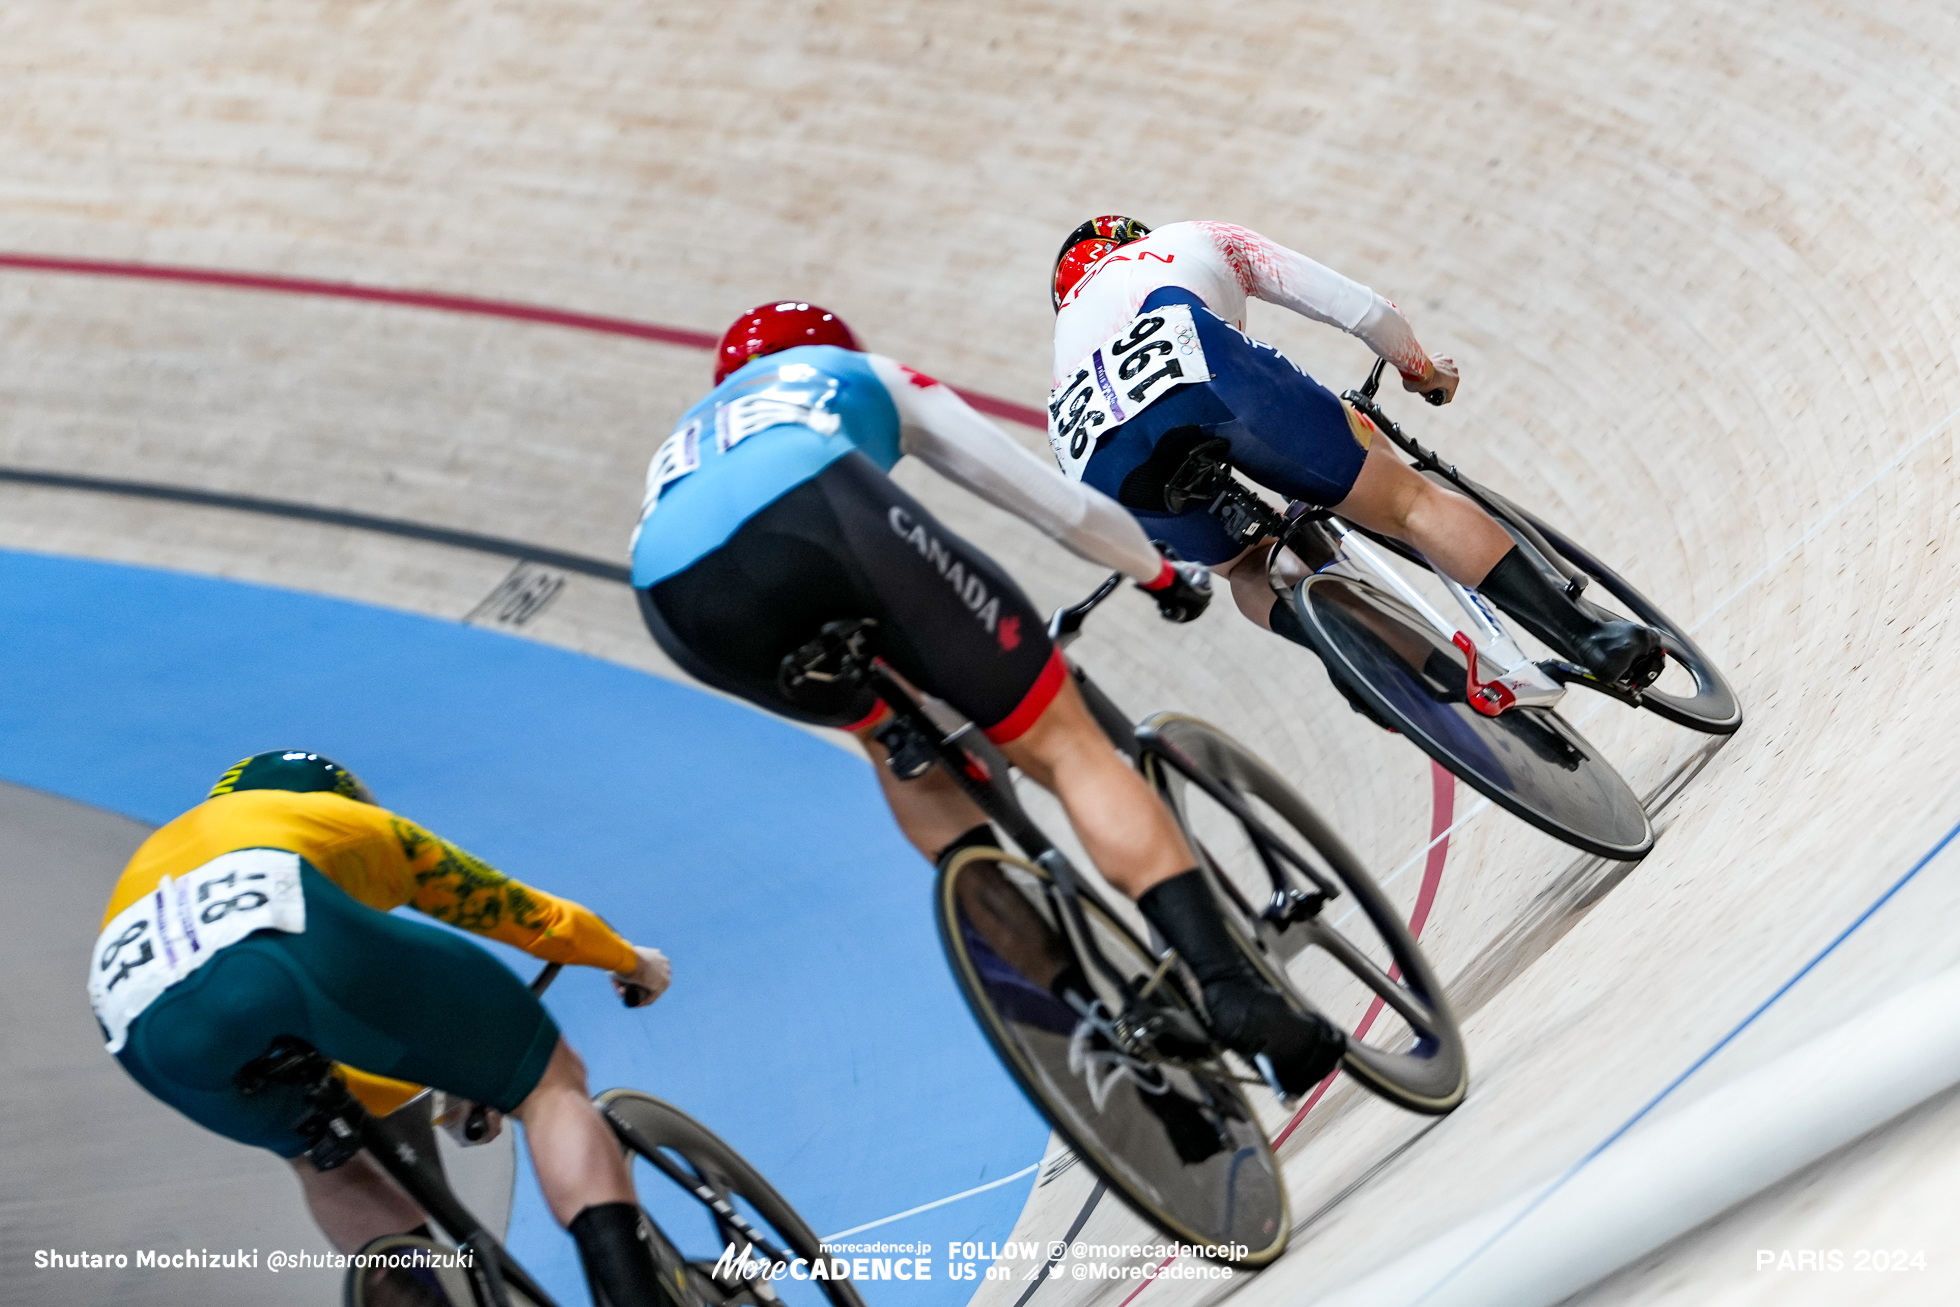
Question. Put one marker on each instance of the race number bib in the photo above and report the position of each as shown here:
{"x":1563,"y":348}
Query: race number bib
{"x":1156,"y":353}
{"x":177,"y":927}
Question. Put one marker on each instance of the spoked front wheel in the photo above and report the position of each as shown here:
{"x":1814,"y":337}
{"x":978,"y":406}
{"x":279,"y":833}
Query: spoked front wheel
{"x":1367,"y":975}
{"x":718,"y":1174}
{"x":1175,"y":1139}
{"x":1696,"y":695}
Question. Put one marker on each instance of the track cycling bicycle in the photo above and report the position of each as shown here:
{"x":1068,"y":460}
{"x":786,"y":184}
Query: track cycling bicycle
{"x":1172,"y":1133}
{"x":1403,"y":664}
{"x":705,"y":1176}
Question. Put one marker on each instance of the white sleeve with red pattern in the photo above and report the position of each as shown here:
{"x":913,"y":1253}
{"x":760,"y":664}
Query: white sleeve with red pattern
{"x":942,"y":429}
{"x":1271,"y":272}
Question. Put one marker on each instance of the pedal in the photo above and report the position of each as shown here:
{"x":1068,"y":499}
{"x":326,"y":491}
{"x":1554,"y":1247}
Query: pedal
{"x":1490,"y":698}
{"x":1566,"y":673}
{"x":1169,"y":1031}
{"x":1289,"y":906}
{"x":336,"y":1144}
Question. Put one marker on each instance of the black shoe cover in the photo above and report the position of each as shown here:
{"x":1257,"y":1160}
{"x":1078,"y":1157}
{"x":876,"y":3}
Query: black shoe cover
{"x":619,"y":1260}
{"x":1615,"y":651}
{"x":1252,"y":1019}
{"x":1623,"y":652}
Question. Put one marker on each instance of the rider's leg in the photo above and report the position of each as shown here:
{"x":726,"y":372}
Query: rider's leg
{"x":1467,"y":543}
{"x":356,"y":1203}
{"x":1251,"y":591}
{"x":932,"y":810}
{"x":1452,"y":532}
{"x":1129,"y":834}
{"x":586,"y":1183}
{"x":1133,"y":838}
{"x":575,"y":1152}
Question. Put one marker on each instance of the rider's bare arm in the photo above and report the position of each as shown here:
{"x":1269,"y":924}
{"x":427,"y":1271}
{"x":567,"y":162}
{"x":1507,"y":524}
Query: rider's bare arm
{"x":939,"y":427}
{"x":1270,"y":271}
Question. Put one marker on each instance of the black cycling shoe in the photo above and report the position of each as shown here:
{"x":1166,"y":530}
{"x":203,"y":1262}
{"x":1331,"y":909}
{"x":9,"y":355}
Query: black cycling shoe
{"x":1251,"y":1019}
{"x":1247,"y":1015}
{"x":1616,"y":651}
{"x":1624,"y":652}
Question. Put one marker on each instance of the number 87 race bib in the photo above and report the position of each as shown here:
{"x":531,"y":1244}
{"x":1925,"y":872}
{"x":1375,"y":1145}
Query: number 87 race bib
{"x":1155,"y":354}
{"x":177,"y":927}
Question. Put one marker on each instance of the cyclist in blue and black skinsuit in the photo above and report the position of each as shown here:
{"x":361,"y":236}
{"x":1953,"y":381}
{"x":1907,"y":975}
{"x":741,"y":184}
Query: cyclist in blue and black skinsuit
{"x":768,"y":514}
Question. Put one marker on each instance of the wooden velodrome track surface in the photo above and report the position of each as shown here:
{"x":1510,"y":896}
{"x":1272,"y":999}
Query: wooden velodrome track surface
{"x":1698,"y":263}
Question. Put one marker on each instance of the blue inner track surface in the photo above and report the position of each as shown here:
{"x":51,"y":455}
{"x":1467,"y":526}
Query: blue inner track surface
{"x":812,"y":1022}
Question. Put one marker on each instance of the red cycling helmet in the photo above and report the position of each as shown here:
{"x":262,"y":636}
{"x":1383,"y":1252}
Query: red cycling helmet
{"x":767,"y":328}
{"x":1088,"y":243}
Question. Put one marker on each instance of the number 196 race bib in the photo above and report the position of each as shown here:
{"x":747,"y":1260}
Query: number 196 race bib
{"x":177,"y":927}
{"x":1156,"y":353}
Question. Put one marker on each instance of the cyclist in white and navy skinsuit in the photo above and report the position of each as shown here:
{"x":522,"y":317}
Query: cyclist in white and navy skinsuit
{"x":1152,"y":361}
{"x":768,"y":515}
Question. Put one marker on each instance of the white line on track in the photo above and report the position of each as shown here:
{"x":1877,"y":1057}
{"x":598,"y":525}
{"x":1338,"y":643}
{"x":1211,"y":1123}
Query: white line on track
{"x":941,"y":1202}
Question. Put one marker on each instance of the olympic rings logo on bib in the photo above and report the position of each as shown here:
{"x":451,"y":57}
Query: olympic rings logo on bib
{"x":1120,"y":379}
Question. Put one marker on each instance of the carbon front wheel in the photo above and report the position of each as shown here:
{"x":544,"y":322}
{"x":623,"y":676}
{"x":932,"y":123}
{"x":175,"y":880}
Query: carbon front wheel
{"x":1693,"y":693}
{"x":1353,"y":961}
{"x":1177,"y":1141}
{"x":692,"y":1238}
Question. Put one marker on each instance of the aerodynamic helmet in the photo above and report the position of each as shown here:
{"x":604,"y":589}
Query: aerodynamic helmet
{"x":291,"y":769}
{"x":1088,"y":243}
{"x":767,"y":328}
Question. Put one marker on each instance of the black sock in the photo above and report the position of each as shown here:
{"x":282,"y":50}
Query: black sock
{"x":618,"y":1260}
{"x":1187,"y":916}
{"x":1286,"y":622}
{"x":980,"y":837}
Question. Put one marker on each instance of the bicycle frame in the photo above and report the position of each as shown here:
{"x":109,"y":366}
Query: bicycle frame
{"x":981,"y":770}
{"x":403,"y":1142}
{"x":1328,"y":544}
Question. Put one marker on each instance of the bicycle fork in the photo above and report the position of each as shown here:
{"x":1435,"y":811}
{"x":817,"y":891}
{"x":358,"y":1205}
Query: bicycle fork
{"x":1520,"y":681}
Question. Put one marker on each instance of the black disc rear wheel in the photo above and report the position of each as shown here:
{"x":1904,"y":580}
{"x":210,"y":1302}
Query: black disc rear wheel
{"x":1351,"y":971}
{"x":692,"y":1238}
{"x":1176,"y":1140}
{"x":1528,"y":761}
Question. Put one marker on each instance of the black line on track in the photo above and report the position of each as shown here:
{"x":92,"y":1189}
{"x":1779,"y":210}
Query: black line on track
{"x":1081,"y":1219}
{"x":394,"y":526}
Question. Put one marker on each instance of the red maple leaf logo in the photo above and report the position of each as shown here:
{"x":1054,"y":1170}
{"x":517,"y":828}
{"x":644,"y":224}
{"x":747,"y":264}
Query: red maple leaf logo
{"x":1010,"y":633}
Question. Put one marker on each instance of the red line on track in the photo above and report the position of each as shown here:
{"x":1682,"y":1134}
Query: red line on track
{"x":1442,"y":812}
{"x":1148,"y":1281}
{"x":441,"y":303}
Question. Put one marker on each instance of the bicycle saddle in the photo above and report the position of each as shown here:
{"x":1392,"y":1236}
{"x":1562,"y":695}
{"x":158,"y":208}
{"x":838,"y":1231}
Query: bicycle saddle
{"x":1186,"y":467}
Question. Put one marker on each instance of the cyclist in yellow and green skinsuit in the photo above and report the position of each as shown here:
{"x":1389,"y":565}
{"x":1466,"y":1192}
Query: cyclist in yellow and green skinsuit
{"x":265,"y":911}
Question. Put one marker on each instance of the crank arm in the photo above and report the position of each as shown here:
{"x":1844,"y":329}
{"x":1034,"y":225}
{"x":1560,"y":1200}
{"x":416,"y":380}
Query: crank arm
{"x":1572,"y":674}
